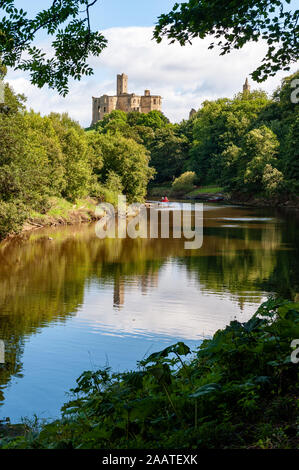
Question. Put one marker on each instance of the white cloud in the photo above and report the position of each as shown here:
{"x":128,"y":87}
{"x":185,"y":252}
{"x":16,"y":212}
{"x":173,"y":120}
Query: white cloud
{"x":184,"y":76}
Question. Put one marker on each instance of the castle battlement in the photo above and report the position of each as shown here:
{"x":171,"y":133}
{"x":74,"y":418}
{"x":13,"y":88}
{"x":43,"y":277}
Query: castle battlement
{"x":124,"y":101}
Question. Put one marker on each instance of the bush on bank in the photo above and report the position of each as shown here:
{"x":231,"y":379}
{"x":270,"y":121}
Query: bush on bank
{"x":238,"y":390}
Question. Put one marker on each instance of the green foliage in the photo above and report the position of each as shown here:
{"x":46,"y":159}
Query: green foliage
{"x":233,"y":24}
{"x":68,"y":22}
{"x":248,"y":144}
{"x":237,"y":390}
{"x":219,"y":131}
{"x":111,"y":189}
{"x":127,"y":159}
{"x":53,"y":157}
{"x":166,"y":142}
{"x":184,"y":183}
{"x":261,"y":148}
{"x":78,"y":171}
{"x":168,"y":153}
{"x":12,"y":217}
{"x":153,"y":119}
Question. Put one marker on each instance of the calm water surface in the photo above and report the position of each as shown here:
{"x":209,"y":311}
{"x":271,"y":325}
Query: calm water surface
{"x":77,"y":302}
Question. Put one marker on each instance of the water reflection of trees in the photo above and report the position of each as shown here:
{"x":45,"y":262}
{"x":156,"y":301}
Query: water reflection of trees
{"x":44,"y":281}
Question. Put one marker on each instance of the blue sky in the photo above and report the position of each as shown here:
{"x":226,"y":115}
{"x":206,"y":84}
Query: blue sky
{"x":184,"y":76}
{"x":114,"y":13}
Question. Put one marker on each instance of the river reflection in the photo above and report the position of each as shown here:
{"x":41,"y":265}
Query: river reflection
{"x":77,"y":302}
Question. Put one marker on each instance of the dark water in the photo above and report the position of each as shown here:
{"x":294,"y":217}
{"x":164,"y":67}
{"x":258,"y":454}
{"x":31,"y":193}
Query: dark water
{"x":77,"y":302}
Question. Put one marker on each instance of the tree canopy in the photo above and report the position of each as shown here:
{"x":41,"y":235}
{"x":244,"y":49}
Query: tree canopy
{"x":232,"y":24}
{"x":248,"y":143}
{"x":51,"y":158}
{"x":68,"y":22}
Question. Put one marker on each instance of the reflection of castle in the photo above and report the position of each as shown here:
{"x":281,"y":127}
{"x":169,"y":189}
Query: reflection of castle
{"x":147,"y":281}
{"x":118,"y":293}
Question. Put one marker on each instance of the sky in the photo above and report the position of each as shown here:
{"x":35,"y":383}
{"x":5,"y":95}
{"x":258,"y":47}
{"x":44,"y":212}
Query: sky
{"x":183,"y":76}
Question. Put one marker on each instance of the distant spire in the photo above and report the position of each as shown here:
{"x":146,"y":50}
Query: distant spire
{"x":192,"y":113}
{"x":246,"y":86}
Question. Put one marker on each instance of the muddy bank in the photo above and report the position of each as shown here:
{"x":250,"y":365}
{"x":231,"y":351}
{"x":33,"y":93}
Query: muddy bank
{"x":76,"y":215}
{"x":84,"y":213}
{"x":249,"y":200}
{"x":288,"y":202}
{"x":72,"y":218}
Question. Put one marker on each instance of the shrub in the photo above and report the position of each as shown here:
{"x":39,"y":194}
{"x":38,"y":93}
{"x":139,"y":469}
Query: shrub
{"x":184,"y":183}
{"x":12,"y":217}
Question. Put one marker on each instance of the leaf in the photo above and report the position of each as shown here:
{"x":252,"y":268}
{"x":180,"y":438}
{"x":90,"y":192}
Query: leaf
{"x":161,"y":373}
{"x":206,"y":390}
{"x":179,"y":348}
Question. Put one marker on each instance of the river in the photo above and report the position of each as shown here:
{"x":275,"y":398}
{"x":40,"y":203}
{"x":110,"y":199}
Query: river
{"x":71,"y":302}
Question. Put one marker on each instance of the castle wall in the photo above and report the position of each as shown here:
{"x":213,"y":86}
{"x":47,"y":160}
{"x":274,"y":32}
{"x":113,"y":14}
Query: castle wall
{"x":102,"y":106}
{"x":124,"y":101}
{"x":151,"y":103}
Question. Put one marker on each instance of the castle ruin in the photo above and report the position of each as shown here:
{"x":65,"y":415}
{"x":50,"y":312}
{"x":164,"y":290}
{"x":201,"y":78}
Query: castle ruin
{"x":124,"y":101}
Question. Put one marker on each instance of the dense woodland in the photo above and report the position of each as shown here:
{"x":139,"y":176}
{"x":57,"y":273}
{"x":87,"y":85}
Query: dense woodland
{"x":45,"y":158}
{"x":246,"y":145}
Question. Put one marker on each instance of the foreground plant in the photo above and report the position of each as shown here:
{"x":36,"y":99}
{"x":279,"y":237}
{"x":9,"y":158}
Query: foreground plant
{"x":238,"y":390}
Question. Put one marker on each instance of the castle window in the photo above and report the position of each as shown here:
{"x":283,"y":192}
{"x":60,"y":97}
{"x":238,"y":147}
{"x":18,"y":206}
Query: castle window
{"x":155,"y":101}
{"x":104,"y":109}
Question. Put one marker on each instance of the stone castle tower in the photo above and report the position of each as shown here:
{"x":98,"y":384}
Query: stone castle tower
{"x":124,"y":101}
{"x":246,"y":86}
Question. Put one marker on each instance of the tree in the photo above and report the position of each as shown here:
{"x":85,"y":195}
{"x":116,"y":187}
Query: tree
{"x":233,"y":24}
{"x":261,"y":150}
{"x":153,"y":119}
{"x":184,"y":183}
{"x":291,"y":161}
{"x":68,"y":22}
{"x":219,"y":130}
{"x":168,"y":153}
{"x":78,"y":170}
{"x":129,"y":161}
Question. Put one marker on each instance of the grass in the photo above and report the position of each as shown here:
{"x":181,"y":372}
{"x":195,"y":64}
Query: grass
{"x":159,"y":191}
{"x":61,"y":208}
{"x":206,"y":190}
{"x":166,"y":190}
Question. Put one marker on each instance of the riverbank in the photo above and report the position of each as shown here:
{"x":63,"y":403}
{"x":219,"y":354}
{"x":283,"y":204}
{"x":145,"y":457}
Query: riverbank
{"x":286,"y":201}
{"x":238,"y":390}
{"x":60,"y":212}
{"x":201,"y":193}
{"x":63,"y":212}
{"x":210,"y":193}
